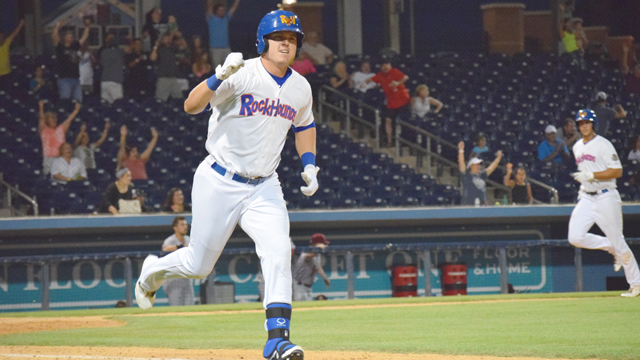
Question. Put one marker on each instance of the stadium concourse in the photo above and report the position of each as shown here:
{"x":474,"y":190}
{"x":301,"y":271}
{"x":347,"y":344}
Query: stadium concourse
{"x":509,"y":99}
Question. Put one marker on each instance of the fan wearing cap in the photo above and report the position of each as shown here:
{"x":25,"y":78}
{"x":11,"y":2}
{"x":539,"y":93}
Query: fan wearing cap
{"x":474,"y":178}
{"x":599,"y":201}
{"x":605,"y":114}
{"x":307,"y":265}
{"x":552,"y":149}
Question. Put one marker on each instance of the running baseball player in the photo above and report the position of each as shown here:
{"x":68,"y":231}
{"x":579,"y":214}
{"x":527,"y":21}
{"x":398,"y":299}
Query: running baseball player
{"x":599,"y":201}
{"x":254,"y":104}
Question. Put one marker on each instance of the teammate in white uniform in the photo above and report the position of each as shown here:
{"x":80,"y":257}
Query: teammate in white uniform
{"x":254,"y":104}
{"x":599,"y":201}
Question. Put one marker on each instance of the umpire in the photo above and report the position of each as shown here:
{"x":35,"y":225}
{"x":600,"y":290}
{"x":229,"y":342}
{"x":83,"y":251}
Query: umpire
{"x":304,"y":273}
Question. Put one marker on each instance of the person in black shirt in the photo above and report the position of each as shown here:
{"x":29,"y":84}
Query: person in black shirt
{"x":68,"y":57}
{"x":175,"y":202}
{"x":121,"y":189}
{"x":520,"y":188}
{"x":164,"y":54}
{"x":137,"y":80}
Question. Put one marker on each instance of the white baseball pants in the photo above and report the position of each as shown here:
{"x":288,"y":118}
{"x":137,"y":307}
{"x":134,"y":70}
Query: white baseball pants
{"x":218,"y":204}
{"x":606,"y":211}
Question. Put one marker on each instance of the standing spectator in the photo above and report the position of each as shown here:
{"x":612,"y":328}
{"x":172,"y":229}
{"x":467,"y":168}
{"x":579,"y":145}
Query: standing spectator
{"x":52,"y":134}
{"x":605,"y":114}
{"x":631,"y":76}
{"x":520,"y":188}
{"x":179,"y":291}
{"x":481,"y":147}
{"x":421,"y":102}
{"x":112,"y":60}
{"x":175,"y":202}
{"x":361,"y":76}
{"x":474,"y":178}
{"x":303,"y":65}
{"x":201,"y":68}
{"x":164,"y":54}
{"x":318,"y":53}
{"x":304,"y":272}
{"x":67,"y":168}
{"x":5,"y":45}
{"x":153,"y":28}
{"x":552,"y":150}
{"x":137,"y":61}
{"x":68,"y":57}
{"x":184,"y":60}
{"x":86,"y":69}
{"x":85,"y":151}
{"x":196,"y":49}
{"x":568,"y":133}
{"x":119,"y":194}
{"x":128,"y":157}
{"x":218,"y":22}
{"x":398,"y":99}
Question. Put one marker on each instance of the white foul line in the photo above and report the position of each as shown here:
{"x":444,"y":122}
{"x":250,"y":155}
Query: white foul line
{"x":86,"y":357}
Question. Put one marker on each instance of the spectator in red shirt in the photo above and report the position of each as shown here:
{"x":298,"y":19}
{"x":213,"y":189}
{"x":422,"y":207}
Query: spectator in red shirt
{"x":392,"y":80}
{"x":303,"y":65}
{"x":130,"y":158}
{"x":632,"y":77}
{"x":52,"y":134}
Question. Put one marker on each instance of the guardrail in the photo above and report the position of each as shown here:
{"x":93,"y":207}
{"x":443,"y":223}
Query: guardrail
{"x":11,"y":190}
{"x":349,"y":251}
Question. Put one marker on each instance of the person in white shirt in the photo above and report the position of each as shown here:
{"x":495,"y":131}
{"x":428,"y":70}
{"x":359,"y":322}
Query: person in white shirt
{"x":599,"y":201}
{"x":66,"y":168}
{"x":254,"y":104}
{"x":360,"y":77}
{"x":634,"y":154}
{"x":421,"y":102}
{"x":318,"y":53}
{"x":84,"y":150}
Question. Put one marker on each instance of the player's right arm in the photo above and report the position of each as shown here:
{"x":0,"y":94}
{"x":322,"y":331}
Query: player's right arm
{"x":198,"y":99}
{"x":461,"y":164}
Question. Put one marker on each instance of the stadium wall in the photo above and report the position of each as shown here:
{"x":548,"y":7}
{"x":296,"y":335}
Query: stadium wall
{"x":81,"y":281}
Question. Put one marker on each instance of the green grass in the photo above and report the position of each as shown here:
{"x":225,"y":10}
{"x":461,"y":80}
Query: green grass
{"x":589,"y":325}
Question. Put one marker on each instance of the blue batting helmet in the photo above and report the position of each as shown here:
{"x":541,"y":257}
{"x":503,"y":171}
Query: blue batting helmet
{"x":586,"y":114}
{"x":278,"y":20}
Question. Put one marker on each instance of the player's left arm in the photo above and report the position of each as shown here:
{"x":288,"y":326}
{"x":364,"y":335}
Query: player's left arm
{"x":200,"y":97}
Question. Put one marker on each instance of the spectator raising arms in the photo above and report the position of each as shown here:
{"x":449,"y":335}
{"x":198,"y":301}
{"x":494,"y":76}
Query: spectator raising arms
{"x":474,"y":181}
{"x":175,"y":202}
{"x":85,"y":151}
{"x":128,"y":157}
{"x":52,"y":134}
{"x":218,"y":23}
{"x":66,"y":168}
{"x":111,"y":58}
{"x":520,"y":188}
{"x":68,"y":57}
{"x":5,"y":44}
{"x":421,"y":102}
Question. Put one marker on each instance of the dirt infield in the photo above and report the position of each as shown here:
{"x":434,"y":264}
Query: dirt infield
{"x":24,"y":325}
{"x":135,"y":353}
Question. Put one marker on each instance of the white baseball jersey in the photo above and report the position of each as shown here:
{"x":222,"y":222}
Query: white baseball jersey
{"x":251,"y":117}
{"x":596,"y":155}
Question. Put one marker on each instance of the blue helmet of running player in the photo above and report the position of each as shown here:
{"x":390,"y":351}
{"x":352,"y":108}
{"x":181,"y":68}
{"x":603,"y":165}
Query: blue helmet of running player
{"x":586,"y":114}
{"x":278,"y":20}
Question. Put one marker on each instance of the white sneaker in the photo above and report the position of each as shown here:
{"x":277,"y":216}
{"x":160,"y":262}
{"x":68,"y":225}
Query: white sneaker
{"x":145,"y":299}
{"x":633,"y":292}
{"x":617,"y":265}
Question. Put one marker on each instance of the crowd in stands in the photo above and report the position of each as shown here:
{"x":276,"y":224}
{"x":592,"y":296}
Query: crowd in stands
{"x":514,"y":103}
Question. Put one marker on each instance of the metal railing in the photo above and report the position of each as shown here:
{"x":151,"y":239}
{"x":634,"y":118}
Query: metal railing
{"x":11,"y":191}
{"x":423,"y":153}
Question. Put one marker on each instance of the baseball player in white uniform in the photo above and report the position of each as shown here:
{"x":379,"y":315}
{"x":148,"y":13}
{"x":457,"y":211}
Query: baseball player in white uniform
{"x":254,"y":104}
{"x":599,"y":201}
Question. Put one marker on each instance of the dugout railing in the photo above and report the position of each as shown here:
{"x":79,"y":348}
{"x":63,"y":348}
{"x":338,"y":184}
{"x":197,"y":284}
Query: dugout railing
{"x":348,"y":251}
{"x":354,"y":113}
{"x":13,"y":192}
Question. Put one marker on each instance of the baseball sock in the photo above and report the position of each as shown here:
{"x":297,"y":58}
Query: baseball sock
{"x":277,"y":324}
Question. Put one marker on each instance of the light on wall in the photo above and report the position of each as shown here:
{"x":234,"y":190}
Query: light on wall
{"x":289,"y":2}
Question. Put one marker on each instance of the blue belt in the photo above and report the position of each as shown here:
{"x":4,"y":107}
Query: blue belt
{"x":603,"y":191}
{"x":241,"y":179}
